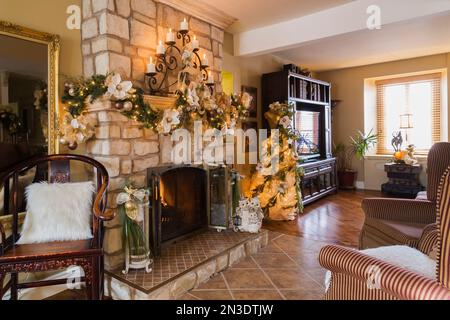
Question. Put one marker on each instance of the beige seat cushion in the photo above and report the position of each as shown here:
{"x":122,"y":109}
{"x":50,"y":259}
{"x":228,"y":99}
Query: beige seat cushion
{"x":389,"y":232}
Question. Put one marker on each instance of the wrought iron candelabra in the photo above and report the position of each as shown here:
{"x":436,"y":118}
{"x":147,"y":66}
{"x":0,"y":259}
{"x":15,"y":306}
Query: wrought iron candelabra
{"x":170,"y":61}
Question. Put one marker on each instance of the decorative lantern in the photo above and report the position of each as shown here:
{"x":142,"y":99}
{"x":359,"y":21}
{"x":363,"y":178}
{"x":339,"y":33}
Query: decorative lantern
{"x":133,"y":205}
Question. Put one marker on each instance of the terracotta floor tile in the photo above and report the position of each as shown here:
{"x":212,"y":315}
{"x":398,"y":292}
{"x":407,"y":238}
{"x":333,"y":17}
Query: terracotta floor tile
{"x":247,"y":263}
{"x":306,"y":260}
{"x":247,"y":279}
{"x":212,"y":295}
{"x":270,"y":248}
{"x":274,"y":260}
{"x":318,"y":274}
{"x":215,"y":282}
{"x":256,"y":295}
{"x":188,"y":296}
{"x":304,"y":294}
{"x":291,"y":279}
{"x":292,"y":244}
{"x":274,"y":234}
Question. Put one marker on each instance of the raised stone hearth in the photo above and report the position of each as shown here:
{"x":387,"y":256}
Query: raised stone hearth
{"x":184,"y":265}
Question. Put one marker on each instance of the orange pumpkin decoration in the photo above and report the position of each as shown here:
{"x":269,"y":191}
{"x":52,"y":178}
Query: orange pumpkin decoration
{"x":400,"y":155}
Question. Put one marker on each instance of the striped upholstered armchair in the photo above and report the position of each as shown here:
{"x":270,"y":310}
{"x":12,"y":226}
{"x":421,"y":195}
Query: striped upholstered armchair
{"x":391,"y":221}
{"x":395,"y":272}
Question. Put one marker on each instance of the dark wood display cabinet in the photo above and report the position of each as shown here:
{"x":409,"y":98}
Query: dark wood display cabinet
{"x":312,"y":101}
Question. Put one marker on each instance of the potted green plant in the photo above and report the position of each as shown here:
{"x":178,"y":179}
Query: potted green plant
{"x":359,"y":145}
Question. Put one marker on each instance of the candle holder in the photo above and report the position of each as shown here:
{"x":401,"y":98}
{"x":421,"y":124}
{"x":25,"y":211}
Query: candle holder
{"x":169,"y":62}
{"x":211,"y":87}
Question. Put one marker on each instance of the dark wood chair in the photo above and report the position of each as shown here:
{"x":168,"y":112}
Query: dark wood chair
{"x":87,"y":254}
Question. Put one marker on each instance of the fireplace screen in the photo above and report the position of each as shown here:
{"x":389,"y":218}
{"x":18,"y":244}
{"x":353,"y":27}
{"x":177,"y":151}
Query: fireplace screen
{"x":180,"y":204}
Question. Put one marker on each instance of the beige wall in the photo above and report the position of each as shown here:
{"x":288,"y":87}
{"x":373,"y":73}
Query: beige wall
{"x":49,"y":16}
{"x":248,"y":70}
{"x":348,"y":117}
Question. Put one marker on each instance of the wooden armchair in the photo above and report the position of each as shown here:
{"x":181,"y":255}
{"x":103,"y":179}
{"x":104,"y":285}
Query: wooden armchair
{"x":87,"y":254}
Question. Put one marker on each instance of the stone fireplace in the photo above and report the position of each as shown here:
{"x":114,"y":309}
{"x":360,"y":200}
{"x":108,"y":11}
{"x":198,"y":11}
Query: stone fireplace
{"x":120,"y":36}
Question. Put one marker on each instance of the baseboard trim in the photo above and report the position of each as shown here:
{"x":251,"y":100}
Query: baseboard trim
{"x":359,"y":184}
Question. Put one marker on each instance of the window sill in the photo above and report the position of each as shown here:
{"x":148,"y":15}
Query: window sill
{"x":390,"y":157}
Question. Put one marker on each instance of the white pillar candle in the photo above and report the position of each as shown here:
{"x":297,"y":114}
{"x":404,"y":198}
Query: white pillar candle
{"x":160,"y":49}
{"x":184,"y":25}
{"x":205,"y":61}
{"x":170,"y":36}
{"x":151,"y":66}
{"x":195,"y":43}
{"x":210,"y":78}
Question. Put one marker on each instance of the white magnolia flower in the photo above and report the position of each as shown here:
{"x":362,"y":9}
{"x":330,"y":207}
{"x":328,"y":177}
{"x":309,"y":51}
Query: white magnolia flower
{"x":118,"y":88}
{"x":285,"y":122}
{"x":74,"y":123}
{"x":192,"y":97}
{"x":80,"y":137}
{"x":186,"y":57}
{"x":140,"y":194}
{"x":170,"y":119}
{"x":122,"y":198}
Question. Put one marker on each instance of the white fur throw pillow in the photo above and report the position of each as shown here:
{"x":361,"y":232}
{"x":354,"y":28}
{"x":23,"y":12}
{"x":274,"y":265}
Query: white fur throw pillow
{"x":57,"y":212}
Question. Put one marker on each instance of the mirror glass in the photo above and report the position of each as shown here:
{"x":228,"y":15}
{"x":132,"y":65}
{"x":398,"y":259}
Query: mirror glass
{"x":23,"y":99}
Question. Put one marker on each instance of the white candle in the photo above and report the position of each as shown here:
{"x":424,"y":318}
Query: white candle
{"x":160,"y":49}
{"x":195,"y":43}
{"x":170,"y":36}
{"x":205,"y":61}
{"x":151,"y":66}
{"x":210,"y":78}
{"x":184,"y":25}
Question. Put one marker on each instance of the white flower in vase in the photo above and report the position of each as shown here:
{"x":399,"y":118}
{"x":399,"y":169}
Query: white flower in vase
{"x":170,"y":118}
{"x":118,"y":88}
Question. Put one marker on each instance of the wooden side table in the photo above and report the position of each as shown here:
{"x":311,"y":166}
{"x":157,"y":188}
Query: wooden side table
{"x":403,"y":180}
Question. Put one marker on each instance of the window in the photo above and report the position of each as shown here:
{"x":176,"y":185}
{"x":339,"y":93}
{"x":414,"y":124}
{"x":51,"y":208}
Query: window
{"x":411,"y":105}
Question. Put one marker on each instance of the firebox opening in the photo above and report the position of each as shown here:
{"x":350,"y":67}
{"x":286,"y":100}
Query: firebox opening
{"x":183,"y":202}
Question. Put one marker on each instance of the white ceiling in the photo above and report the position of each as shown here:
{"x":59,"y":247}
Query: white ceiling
{"x":253,"y":14}
{"x":412,"y":38}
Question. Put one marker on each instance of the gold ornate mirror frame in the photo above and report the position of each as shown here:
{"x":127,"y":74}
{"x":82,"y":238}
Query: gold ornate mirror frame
{"x":53,"y":48}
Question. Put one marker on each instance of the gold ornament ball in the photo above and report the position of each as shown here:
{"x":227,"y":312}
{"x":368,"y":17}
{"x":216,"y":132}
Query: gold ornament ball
{"x":73,"y":145}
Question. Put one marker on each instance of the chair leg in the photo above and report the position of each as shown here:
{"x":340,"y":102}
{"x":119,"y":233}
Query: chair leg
{"x":14,"y":282}
{"x":95,"y":278}
{"x":92,"y":280}
{"x":102,"y":277}
{"x":2,"y":283}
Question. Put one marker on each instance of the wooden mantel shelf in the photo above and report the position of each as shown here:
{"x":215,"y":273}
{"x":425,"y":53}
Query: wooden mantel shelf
{"x":159,"y":102}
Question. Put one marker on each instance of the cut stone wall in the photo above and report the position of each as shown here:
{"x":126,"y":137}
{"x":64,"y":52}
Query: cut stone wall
{"x":120,"y":36}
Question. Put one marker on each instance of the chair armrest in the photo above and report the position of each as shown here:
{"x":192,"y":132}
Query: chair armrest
{"x":400,"y":210}
{"x":398,"y":282}
{"x":100,"y":213}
